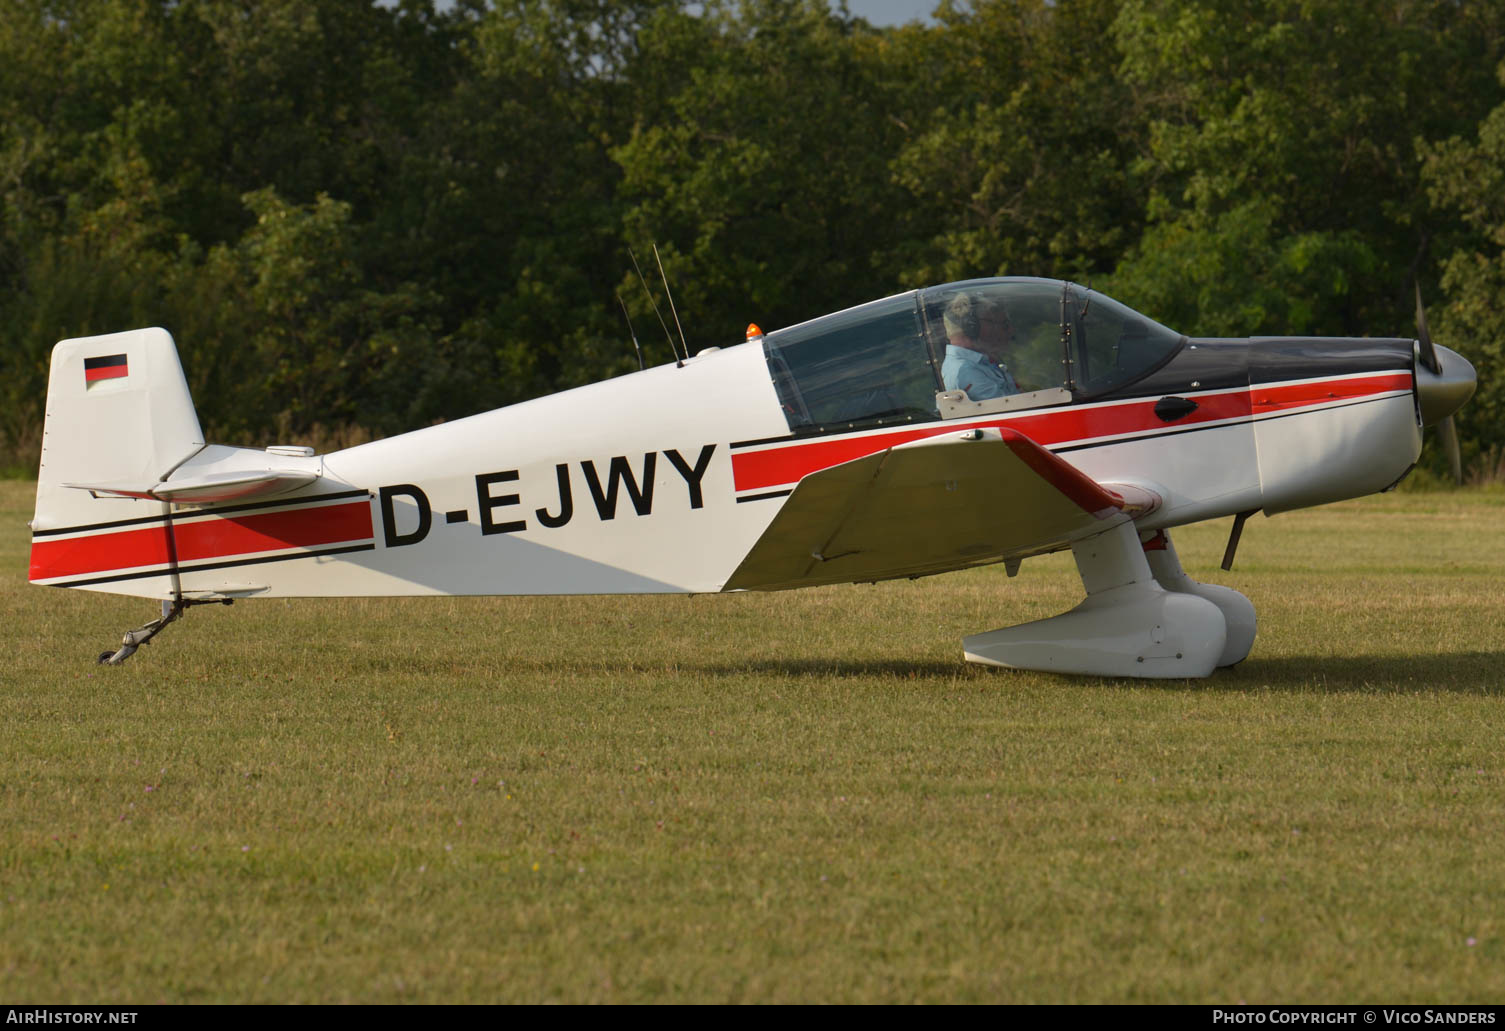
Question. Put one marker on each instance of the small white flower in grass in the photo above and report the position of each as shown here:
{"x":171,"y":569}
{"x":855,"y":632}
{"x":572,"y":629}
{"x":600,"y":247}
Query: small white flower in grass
{"x":1471,"y":942}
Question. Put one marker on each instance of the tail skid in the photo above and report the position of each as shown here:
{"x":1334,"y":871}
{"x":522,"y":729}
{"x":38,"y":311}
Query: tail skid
{"x":171,"y":611}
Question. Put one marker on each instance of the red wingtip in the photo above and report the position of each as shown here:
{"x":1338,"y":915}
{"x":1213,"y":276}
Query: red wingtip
{"x":1082,"y":489}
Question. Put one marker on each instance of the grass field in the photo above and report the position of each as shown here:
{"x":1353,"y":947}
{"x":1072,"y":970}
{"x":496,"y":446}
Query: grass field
{"x":794,"y":797}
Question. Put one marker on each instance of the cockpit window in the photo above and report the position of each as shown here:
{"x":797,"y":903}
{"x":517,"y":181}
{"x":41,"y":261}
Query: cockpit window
{"x":1003,"y":336}
{"x":866,"y":366}
{"x":885,"y":363}
{"x":996,"y":337}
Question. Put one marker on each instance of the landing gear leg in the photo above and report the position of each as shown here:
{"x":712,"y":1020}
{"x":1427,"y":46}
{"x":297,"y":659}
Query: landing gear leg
{"x":1238,"y":611}
{"x":1129,"y":625}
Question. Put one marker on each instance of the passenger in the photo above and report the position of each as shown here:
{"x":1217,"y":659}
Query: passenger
{"x":979,"y":340}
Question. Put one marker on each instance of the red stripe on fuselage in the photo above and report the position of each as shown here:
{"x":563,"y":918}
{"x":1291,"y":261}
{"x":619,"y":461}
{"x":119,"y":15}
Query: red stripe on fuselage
{"x":772,"y":467}
{"x":1270,"y":397}
{"x":205,"y":539}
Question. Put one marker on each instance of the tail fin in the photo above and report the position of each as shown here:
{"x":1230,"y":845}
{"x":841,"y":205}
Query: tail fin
{"x":118,"y":410}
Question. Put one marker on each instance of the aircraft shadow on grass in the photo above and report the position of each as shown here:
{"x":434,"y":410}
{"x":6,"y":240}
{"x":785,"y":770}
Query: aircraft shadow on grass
{"x":898,"y":668}
{"x":1475,"y":672}
{"x":1463,"y":673}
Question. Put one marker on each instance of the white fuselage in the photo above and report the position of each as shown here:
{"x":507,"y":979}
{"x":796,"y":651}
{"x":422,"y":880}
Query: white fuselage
{"x":661,"y":481}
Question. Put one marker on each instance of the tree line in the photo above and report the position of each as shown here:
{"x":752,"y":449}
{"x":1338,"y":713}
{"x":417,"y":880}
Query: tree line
{"x":371,"y":217}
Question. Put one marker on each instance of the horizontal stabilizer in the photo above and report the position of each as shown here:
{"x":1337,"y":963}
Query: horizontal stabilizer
{"x":927,"y":506}
{"x":208,"y":488}
{"x":226,"y":592}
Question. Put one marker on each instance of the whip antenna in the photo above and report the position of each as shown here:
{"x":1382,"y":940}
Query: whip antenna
{"x":651,"y":301}
{"x":682,"y":344}
{"x":632,"y":333}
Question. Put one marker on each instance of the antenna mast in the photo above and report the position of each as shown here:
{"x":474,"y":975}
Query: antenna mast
{"x":651,"y":301}
{"x":632,"y":333}
{"x":682,"y":344}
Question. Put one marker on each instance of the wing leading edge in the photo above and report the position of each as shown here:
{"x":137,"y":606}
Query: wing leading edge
{"x":926,"y":506}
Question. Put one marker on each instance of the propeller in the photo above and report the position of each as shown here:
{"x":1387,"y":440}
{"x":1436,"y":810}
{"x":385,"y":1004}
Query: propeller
{"x":1424,"y":337}
{"x":1447,"y":432}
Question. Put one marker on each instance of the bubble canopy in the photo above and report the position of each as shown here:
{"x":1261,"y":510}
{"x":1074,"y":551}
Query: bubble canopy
{"x":887,"y":362}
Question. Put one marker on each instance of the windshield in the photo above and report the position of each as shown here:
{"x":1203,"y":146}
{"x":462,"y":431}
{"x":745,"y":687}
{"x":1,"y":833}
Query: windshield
{"x":1114,"y":344}
{"x":866,"y":366}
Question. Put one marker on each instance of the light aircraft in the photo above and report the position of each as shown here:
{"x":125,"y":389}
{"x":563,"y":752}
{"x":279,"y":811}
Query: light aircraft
{"x":827,"y":452}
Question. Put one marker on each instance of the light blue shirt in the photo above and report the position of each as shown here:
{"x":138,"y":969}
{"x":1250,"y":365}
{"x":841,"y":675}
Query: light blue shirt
{"x":980,"y":376}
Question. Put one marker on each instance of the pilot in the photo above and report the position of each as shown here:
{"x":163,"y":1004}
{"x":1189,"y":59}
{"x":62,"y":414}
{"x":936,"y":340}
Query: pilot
{"x":979,"y":338}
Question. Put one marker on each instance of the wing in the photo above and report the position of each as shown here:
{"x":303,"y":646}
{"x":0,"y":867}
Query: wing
{"x":927,"y":506}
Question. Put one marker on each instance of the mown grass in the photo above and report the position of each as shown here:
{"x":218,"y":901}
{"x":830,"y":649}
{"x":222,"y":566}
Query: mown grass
{"x":805,"y":796}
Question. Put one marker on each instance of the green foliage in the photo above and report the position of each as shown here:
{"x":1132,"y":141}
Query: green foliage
{"x":330,"y":347}
{"x":1469,"y":176}
{"x":389,"y":214}
{"x":1020,"y":156}
{"x":760,"y":164}
{"x":1234,"y":275}
{"x":1282,"y":151}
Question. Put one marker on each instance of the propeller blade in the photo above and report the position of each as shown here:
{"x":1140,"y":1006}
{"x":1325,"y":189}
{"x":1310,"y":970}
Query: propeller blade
{"x":1424,"y":337}
{"x":1447,"y":432}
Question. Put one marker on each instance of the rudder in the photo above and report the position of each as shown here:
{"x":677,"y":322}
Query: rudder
{"x":118,"y":410}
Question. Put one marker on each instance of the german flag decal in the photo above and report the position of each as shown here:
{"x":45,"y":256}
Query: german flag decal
{"x":112,"y":366}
